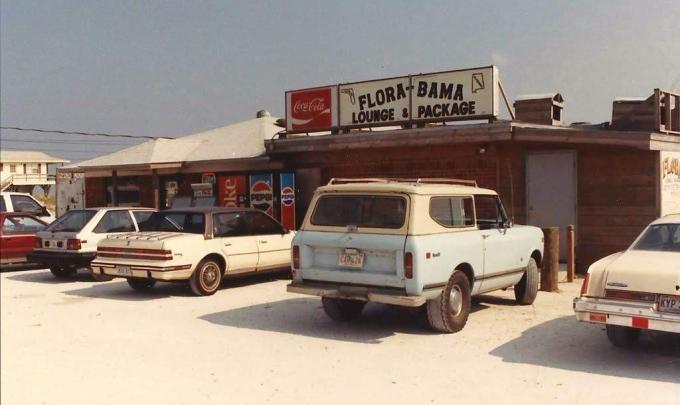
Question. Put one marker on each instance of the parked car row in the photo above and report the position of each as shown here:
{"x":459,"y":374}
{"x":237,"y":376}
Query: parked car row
{"x":433,"y":243}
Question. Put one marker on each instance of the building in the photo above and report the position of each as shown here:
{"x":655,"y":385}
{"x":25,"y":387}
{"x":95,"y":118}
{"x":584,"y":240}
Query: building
{"x":609,"y":179}
{"x":23,"y":170}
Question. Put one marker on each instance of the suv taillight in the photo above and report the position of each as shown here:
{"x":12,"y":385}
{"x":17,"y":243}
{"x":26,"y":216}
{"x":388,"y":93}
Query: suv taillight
{"x":584,"y":286}
{"x":73,"y":244}
{"x":38,"y":243}
{"x":408,"y":265}
{"x":296,"y":257}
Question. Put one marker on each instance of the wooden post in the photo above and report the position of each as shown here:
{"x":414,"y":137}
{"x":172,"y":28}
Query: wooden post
{"x":155,"y":184}
{"x":571,"y":253}
{"x":114,"y":188}
{"x":551,"y":260}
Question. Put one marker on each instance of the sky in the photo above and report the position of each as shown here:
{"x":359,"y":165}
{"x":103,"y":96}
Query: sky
{"x":170,"y":68}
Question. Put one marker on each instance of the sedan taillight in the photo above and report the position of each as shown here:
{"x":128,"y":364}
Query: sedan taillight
{"x":38,"y":243}
{"x":73,"y":244}
{"x":296,"y":257}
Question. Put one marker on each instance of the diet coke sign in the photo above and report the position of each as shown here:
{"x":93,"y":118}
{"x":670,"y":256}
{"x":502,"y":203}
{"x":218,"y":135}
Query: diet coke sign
{"x":311,"y":109}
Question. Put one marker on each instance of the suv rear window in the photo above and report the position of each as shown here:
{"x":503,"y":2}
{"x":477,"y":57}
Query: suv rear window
{"x":368,"y":211}
{"x":452,"y":212}
{"x":72,"y":221}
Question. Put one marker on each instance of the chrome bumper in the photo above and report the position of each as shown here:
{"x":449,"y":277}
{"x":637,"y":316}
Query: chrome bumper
{"x":624,"y":313}
{"x":361,"y":293}
{"x":170,"y":273}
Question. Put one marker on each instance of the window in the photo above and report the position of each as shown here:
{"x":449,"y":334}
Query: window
{"x":490,"y":212}
{"x":186,"y":222}
{"x":3,"y":208}
{"x":72,"y":221}
{"x":24,"y":203}
{"x":22,"y":224}
{"x":262,"y":224}
{"x":662,"y":237}
{"x":12,"y":168}
{"x":128,"y":196}
{"x":360,"y":210}
{"x":452,"y":211}
{"x":229,"y":224}
{"x":115,"y":221}
{"x":141,"y":216}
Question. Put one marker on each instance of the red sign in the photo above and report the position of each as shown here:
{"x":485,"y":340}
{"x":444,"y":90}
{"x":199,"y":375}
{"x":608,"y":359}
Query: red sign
{"x":232,"y":191}
{"x":312,"y":109}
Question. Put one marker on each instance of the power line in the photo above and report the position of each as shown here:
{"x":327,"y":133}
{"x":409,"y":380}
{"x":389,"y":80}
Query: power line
{"x":56,"y":131}
{"x":59,"y":141}
{"x":65,"y":150}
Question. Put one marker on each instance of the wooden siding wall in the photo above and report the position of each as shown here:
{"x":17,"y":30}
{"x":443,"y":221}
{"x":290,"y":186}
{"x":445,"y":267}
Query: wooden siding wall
{"x":616,"y":193}
{"x":617,"y":198}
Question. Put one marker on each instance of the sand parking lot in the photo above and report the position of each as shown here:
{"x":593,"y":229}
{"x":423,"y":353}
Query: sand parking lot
{"x":81,"y":342}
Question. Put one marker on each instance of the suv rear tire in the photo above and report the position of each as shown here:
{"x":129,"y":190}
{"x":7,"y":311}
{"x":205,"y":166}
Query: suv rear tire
{"x":207,"y":277}
{"x":527,"y":288}
{"x":622,"y":336}
{"x":141,"y":284}
{"x":62,"y":272}
{"x":339,"y":309}
{"x":449,"y":312}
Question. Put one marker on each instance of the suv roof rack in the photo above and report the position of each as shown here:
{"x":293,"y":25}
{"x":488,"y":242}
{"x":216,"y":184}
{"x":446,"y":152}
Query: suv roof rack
{"x":421,"y":180}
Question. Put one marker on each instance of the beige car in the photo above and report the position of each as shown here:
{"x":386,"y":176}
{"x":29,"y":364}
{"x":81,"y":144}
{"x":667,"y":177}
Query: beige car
{"x":636,"y":289}
{"x":198,"y":245}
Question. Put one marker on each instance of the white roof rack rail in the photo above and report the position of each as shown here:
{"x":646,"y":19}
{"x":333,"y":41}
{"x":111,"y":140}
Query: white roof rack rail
{"x":421,"y":180}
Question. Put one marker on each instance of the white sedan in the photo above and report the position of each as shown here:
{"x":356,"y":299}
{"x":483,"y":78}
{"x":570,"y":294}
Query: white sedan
{"x":636,"y":289}
{"x":198,"y":245}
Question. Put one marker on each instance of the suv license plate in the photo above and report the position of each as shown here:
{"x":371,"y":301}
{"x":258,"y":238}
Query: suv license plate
{"x":124,"y":271}
{"x":669,"y":303}
{"x":354,"y":260}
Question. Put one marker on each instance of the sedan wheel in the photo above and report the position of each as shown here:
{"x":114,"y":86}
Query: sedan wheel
{"x":206,"y":278}
{"x":62,"y":272}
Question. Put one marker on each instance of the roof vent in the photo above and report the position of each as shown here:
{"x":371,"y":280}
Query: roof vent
{"x":262,"y":114}
{"x":540,"y":108}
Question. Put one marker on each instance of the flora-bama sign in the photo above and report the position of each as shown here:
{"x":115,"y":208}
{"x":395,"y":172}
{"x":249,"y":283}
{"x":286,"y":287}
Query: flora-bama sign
{"x":469,"y":94}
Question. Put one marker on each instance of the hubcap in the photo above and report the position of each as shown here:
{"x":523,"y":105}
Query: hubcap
{"x":456,"y":300}
{"x":209,"y":276}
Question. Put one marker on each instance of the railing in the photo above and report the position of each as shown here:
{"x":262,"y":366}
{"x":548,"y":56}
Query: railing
{"x":27,"y":178}
{"x":667,"y":112}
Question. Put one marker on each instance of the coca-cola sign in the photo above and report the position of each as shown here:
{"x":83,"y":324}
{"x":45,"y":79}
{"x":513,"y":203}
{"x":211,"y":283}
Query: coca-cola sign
{"x":311,"y":109}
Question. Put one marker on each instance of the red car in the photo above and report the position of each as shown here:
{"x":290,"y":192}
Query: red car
{"x":17,"y":235}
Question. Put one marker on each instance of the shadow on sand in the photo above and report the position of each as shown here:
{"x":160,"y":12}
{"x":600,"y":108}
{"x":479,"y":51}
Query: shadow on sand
{"x":305,"y":316}
{"x":118,"y":289}
{"x":566,"y":344}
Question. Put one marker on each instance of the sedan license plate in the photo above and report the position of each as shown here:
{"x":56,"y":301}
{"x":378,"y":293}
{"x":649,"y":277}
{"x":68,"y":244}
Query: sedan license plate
{"x":354,"y":260}
{"x":124,"y":271}
{"x":669,"y":303}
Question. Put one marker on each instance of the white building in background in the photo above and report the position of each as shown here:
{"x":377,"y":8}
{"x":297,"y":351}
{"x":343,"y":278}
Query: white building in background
{"x":22,"y":170}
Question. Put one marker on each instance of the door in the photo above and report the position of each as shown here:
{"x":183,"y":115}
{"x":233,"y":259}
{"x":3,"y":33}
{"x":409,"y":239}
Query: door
{"x":273,"y":244}
{"x":551,"y":192}
{"x":502,"y":260}
{"x":231,"y":232}
{"x":18,"y":236}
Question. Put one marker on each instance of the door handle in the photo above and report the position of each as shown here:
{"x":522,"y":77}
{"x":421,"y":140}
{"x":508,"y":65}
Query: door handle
{"x":227,"y":244}
{"x":263,"y":241}
{"x":485,"y":236}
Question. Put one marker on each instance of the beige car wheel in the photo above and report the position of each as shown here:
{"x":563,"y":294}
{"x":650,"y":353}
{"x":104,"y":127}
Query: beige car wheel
{"x":206,"y":278}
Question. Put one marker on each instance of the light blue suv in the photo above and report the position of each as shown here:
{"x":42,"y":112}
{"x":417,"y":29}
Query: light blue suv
{"x":433,"y":242}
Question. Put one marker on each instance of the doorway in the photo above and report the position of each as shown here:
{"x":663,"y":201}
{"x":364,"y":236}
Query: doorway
{"x":551,"y":191}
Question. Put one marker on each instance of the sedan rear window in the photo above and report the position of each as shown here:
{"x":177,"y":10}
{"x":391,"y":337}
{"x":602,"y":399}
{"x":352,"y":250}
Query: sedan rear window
{"x":662,"y":238}
{"x":72,"y":221}
{"x":367,"y":211}
{"x":185,"y":222}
